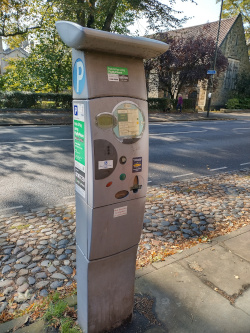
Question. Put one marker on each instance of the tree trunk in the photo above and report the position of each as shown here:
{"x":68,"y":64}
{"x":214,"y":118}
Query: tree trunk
{"x":81,"y":13}
{"x":1,"y":55}
{"x":91,"y":18}
{"x":110,"y":15}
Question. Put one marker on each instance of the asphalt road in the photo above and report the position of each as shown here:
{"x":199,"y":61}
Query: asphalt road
{"x":36,"y":163}
{"x":193,"y":149}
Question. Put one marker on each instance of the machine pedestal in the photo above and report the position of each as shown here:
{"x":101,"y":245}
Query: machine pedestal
{"x":105,"y":290}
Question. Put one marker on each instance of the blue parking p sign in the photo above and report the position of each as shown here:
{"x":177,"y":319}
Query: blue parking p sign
{"x":76,"y":110}
{"x":79,"y":76}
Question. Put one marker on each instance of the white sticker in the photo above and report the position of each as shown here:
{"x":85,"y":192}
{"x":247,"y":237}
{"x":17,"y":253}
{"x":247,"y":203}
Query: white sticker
{"x":105,"y":164}
{"x":113,"y":77}
{"x":120,"y":211}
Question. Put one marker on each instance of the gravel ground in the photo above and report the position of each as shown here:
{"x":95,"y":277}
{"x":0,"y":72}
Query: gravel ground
{"x":37,"y":248}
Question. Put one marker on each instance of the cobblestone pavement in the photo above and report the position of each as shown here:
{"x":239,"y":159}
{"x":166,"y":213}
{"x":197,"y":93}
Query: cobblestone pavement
{"x":37,"y":248}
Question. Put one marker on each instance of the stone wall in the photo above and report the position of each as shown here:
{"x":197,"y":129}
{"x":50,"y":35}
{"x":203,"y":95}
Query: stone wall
{"x":235,"y":49}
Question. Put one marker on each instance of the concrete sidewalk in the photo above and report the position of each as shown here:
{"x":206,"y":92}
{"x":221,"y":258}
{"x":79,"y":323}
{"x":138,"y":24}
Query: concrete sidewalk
{"x":26,"y":118}
{"x":203,"y":289}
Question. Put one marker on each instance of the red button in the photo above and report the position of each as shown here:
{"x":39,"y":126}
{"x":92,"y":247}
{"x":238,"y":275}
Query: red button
{"x":109,"y":184}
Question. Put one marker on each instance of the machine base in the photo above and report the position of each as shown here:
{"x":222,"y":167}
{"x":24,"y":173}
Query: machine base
{"x":105,"y":290}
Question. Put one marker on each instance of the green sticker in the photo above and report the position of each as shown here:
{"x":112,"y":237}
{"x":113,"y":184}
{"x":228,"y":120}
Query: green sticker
{"x":79,"y":138}
{"x":117,"y":70}
{"x":122,"y":117}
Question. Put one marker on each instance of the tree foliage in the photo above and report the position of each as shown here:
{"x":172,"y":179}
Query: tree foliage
{"x":243,"y":85}
{"x":185,"y":63}
{"x":19,"y":17}
{"x":235,"y":7}
{"x":47,"y":69}
{"x":43,"y":69}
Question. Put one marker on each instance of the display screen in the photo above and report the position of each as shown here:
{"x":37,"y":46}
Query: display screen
{"x":105,"y":121}
{"x":130,"y":122}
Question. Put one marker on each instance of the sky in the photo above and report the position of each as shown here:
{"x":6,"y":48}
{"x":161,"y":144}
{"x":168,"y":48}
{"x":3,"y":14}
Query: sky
{"x":205,"y":11}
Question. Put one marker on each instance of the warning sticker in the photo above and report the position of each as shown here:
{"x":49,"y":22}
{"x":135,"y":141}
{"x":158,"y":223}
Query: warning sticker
{"x":105,"y":164}
{"x":137,"y":164}
{"x":120,"y":211}
{"x":117,"y":74}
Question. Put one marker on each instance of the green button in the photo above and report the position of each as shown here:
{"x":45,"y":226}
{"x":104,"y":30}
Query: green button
{"x":122,"y":176}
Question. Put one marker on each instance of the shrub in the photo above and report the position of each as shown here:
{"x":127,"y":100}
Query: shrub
{"x":18,"y":99}
{"x":162,"y":104}
{"x":159,"y":103}
{"x":233,"y":103}
{"x":238,"y":103}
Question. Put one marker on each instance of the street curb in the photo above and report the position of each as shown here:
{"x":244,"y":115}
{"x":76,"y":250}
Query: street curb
{"x":28,"y":124}
{"x":198,"y":119}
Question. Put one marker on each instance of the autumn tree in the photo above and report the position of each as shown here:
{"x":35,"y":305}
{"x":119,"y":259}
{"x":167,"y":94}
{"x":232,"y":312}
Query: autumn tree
{"x":235,"y":7}
{"x":185,"y":63}
{"x":36,"y":18}
{"x":116,"y":15}
{"x":19,"y":17}
{"x":47,"y":69}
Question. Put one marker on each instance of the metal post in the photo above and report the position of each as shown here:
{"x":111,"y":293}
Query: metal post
{"x":214,"y":64}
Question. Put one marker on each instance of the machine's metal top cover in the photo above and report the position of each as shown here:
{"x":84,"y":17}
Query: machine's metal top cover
{"x":81,"y":38}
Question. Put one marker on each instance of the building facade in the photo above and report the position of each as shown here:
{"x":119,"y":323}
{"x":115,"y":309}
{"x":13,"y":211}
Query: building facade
{"x":5,"y":55}
{"x":233,"y":45}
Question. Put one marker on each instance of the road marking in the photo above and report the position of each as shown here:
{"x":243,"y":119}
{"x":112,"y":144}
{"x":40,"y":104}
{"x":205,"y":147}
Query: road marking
{"x":171,"y":139}
{"x":242,"y":128}
{"x":1,"y":210}
{"x":149,"y":181}
{"x":245,"y":163}
{"x":218,"y":169}
{"x":187,"y":174}
{"x":69,"y":197}
{"x":35,"y":141}
{"x":157,"y":134}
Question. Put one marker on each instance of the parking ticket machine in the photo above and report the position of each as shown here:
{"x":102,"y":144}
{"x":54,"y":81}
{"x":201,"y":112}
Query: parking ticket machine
{"x":111,"y":168}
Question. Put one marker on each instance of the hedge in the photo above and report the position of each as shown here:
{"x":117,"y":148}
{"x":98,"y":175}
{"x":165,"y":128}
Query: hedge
{"x":18,"y":99}
{"x":238,"y":103}
{"x":163,"y":104}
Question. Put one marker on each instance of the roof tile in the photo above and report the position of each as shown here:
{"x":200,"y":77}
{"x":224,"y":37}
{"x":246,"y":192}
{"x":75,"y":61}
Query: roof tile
{"x":208,"y":29}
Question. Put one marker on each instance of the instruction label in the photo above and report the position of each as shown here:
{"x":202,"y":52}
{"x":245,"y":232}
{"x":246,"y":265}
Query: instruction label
{"x":128,"y":122}
{"x":120,"y":211}
{"x":117,"y":74}
{"x":79,"y":148}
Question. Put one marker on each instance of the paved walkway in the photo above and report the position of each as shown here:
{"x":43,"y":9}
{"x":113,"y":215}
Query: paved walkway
{"x":65,"y":118}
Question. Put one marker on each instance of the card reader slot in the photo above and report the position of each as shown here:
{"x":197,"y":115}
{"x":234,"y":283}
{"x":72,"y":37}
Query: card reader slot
{"x":136,"y":186}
